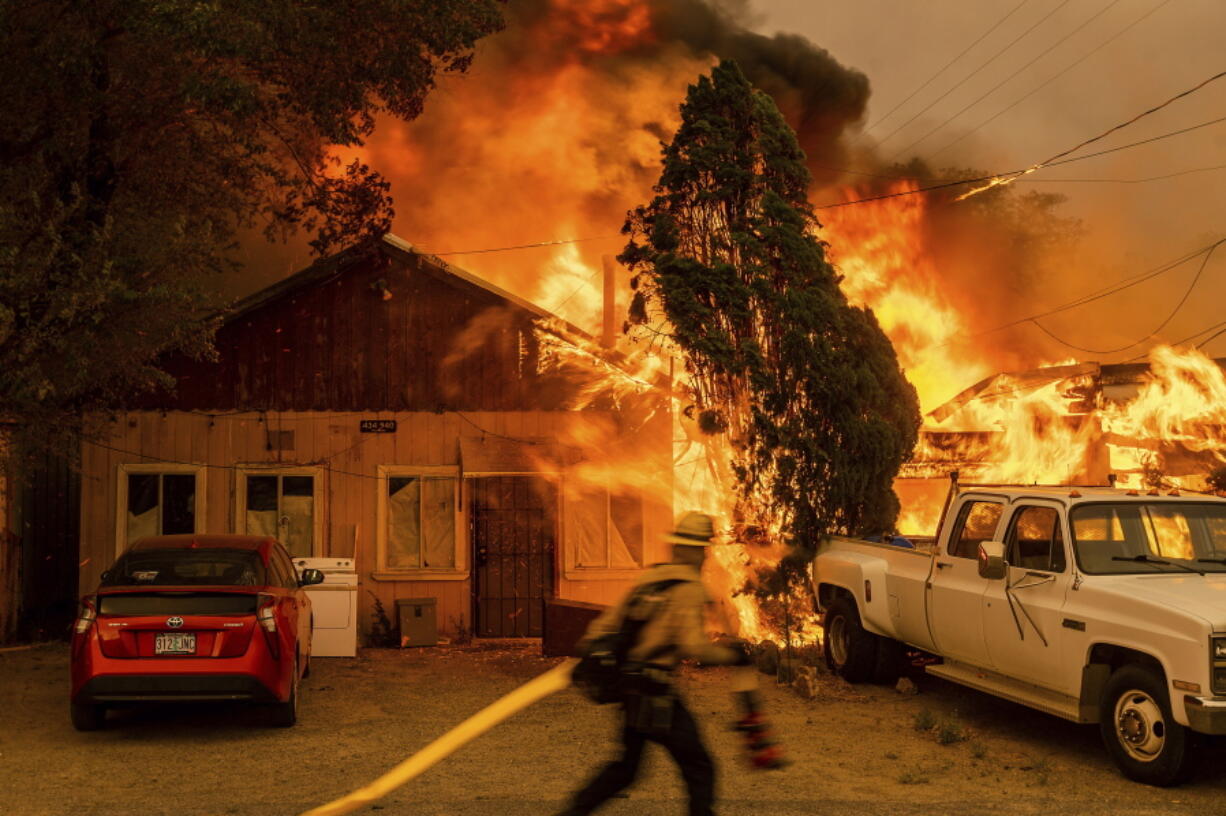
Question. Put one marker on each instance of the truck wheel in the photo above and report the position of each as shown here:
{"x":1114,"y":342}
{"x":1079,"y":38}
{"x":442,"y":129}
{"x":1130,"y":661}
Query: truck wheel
{"x":851,"y":652}
{"x":888,"y":666}
{"x":87,"y":716}
{"x":1137,"y":727}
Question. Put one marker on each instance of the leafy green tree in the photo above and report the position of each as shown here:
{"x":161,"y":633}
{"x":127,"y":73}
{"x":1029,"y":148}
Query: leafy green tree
{"x":805,"y":387}
{"x":139,"y":138}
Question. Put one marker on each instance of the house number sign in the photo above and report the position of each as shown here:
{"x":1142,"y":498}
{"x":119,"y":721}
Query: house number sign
{"x":377,"y":426}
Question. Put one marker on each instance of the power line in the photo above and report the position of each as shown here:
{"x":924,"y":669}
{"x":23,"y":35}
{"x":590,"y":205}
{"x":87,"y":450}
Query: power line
{"x":1213,"y":336}
{"x":1145,"y":180}
{"x":962,"y":81}
{"x":522,"y":246}
{"x":1001,"y":181}
{"x":1099,"y":294}
{"x":586,"y":281}
{"x":1051,"y":79}
{"x":1015,"y":173}
{"x":944,"y":68}
{"x":1178,"y":306}
{"x":1011,"y":76}
{"x":1190,"y":337}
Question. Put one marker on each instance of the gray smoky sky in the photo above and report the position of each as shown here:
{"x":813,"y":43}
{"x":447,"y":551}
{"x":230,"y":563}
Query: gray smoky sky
{"x":1103,"y":73}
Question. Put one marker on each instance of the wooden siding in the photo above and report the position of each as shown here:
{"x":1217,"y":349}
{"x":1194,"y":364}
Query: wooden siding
{"x":383,"y":331}
{"x":349,"y":462}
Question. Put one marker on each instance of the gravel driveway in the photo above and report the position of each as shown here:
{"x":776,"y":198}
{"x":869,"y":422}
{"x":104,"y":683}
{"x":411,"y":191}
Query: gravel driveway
{"x":855,"y":750}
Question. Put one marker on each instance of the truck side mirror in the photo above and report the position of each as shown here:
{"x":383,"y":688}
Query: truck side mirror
{"x":992,"y":564}
{"x":310,"y":577}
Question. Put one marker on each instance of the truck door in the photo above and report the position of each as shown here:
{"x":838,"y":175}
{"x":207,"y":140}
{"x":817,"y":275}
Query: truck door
{"x":1022,"y":614}
{"x":955,"y":591}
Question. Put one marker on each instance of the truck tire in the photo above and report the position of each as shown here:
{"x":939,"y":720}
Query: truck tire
{"x":888,"y":666}
{"x":1141,"y":736}
{"x":851,"y":652}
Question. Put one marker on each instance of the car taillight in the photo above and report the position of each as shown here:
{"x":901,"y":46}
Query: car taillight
{"x":266,"y":615}
{"x":86,"y":617}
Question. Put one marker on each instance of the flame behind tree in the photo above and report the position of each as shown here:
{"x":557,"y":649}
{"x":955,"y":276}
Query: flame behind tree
{"x":801,"y":391}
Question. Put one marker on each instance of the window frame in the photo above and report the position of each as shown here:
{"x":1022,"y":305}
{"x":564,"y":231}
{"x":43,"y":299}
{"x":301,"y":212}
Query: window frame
{"x":383,"y":572}
{"x":571,"y":569}
{"x":955,"y":533}
{"x":1011,"y":528}
{"x":240,"y":500}
{"x":124,"y":469}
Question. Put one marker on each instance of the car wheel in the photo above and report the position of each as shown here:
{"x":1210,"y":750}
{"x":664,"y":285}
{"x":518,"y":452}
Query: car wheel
{"x":851,"y":652}
{"x":306,"y":670}
{"x":88,"y":716}
{"x":286,"y":714}
{"x":1137,"y":727}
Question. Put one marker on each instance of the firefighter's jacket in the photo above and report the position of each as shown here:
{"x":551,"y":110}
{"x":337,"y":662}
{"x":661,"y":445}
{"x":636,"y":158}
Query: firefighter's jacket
{"x":677,"y":623}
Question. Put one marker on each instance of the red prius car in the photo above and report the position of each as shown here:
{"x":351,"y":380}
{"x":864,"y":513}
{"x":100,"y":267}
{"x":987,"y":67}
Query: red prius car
{"x":194,"y":617}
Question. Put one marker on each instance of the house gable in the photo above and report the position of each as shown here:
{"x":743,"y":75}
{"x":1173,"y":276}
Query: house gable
{"x":378,"y":327}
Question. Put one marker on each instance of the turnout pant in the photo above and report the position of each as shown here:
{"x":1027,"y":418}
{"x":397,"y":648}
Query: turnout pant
{"x":682,"y":741}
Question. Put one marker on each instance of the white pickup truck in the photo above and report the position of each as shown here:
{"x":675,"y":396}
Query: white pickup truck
{"x":1097,"y":605}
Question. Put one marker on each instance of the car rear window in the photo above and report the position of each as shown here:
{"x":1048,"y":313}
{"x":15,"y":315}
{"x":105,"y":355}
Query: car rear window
{"x":187,"y":567}
{"x":177,"y":603}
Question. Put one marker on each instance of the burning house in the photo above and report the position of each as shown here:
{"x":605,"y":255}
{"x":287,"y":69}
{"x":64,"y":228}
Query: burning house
{"x":1142,"y":425}
{"x":387,"y":406}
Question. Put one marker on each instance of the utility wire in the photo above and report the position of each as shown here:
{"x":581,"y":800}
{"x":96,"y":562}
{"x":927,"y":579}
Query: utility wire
{"x":962,"y":81}
{"x":521,"y":246}
{"x":1213,"y":336}
{"x":1015,"y":173}
{"x":1176,"y":174}
{"x":1099,"y":294}
{"x":586,"y":281}
{"x":1050,"y":79}
{"x":1190,"y":337}
{"x":944,"y":68}
{"x":1011,"y":76}
{"x":1178,"y":306}
{"x":1046,"y":162}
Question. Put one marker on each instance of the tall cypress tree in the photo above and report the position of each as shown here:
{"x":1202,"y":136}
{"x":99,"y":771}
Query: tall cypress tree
{"x":806,"y":388}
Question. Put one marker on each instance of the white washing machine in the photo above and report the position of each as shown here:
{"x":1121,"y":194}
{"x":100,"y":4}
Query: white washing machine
{"x":334,"y":603}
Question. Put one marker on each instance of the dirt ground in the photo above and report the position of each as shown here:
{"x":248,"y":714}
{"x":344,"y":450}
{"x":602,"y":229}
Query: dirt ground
{"x":855,"y":750}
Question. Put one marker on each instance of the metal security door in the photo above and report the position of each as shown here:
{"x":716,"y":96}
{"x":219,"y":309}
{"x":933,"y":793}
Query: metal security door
{"x":514,"y":530}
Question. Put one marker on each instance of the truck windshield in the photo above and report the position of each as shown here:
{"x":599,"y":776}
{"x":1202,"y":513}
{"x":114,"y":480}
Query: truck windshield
{"x":1137,"y":537}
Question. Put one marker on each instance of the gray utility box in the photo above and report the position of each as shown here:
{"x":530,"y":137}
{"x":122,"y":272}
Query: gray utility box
{"x":418,"y":621}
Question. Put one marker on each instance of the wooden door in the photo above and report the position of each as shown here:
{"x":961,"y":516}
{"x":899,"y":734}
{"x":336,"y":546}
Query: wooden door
{"x":514,"y":534}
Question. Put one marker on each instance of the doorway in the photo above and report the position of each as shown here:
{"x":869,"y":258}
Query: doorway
{"x":514,"y":539}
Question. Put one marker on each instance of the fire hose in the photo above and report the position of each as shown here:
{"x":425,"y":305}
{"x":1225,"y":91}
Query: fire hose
{"x":763,"y":751}
{"x":536,"y":689}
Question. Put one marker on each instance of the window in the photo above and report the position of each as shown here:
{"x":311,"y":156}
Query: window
{"x":417,"y":520}
{"x":605,"y":528}
{"x":158,"y":500}
{"x":282,"y":568}
{"x":282,"y":504}
{"x":1034,"y":541}
{"x":976,"y":524}
{"x":186,"y":567}
{"x":1119,"y":538}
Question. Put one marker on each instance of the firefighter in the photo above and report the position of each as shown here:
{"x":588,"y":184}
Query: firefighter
{"x":652,"y":711}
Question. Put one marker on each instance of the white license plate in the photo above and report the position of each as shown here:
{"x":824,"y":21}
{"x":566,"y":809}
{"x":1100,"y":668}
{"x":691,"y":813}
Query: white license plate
{"x":174,"y":643}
